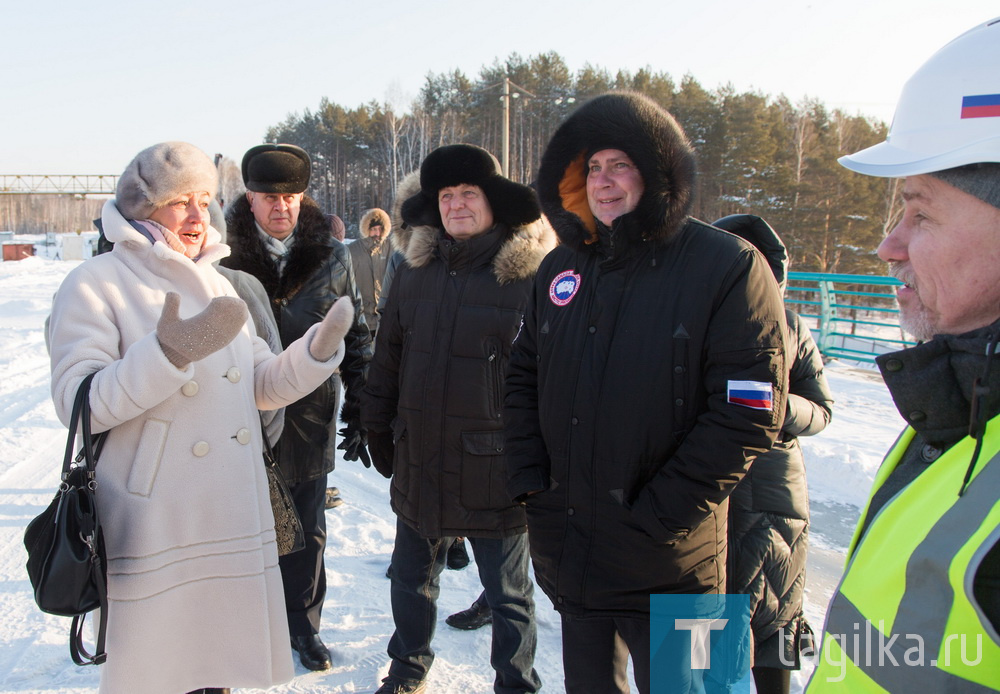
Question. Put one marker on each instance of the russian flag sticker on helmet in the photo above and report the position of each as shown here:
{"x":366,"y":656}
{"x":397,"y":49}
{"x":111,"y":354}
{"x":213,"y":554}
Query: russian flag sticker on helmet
{"x":948,"y":114}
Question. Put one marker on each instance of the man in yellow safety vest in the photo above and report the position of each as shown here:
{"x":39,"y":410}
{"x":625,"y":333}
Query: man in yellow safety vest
{"x":918,"y":608}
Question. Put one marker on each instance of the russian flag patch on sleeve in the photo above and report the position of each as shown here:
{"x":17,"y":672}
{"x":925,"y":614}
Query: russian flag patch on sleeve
{"x":753,"y":394}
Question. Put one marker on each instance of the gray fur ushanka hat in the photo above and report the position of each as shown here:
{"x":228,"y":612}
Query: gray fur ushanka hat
{"x":160,"y":173}
{"x":511,"y":203}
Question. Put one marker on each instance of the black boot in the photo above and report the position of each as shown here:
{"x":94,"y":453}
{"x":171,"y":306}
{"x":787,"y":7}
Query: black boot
{"x":458,"y":556}
{"x":313,"y":653}
{"x":478,"y":615}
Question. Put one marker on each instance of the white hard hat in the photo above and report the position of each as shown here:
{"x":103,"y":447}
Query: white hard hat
{"x":948,"y":114}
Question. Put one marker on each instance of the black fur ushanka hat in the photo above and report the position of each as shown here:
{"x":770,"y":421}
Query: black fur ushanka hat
{"x":281,"y":169}
{"x":512,"y":204}
{"x":651,"y":137}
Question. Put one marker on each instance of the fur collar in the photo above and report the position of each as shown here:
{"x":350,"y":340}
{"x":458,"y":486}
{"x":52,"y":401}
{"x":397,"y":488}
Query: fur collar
{"x":639,"y":127}
{"x":312,"y":248}
{"x":517,"y":259}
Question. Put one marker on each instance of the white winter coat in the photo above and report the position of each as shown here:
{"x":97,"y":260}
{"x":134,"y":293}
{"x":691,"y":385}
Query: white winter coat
{"x":195,"y":595}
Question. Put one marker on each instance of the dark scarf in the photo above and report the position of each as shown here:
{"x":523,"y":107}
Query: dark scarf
{"x":946,"y":389}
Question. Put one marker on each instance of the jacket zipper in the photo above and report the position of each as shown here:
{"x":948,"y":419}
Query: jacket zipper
{"x":494,"y":360}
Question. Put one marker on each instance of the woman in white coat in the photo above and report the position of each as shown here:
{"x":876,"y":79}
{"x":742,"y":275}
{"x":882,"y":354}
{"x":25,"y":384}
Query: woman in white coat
{"x":195,"y":596}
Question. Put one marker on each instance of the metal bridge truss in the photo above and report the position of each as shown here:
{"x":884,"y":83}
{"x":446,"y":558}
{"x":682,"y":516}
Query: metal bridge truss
{"x":60,"y":184}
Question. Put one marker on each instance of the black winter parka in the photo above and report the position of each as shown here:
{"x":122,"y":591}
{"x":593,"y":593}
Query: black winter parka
{"x":436,"y":381}
{"x":317,"y":272}
{"x":620,"y":435}
{"x":769,"y":511}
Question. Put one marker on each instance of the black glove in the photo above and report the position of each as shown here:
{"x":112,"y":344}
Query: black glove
{"x":353,"y":445}
{"x":383,"y":450}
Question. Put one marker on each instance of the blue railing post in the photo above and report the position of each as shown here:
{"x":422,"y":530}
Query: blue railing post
{"x":875,"y":330}
{"x":825,"y":315}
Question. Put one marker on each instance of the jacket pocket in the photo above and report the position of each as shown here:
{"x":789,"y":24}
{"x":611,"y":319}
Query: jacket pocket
{"x":483,"y":471}
{"x":148,"y":455}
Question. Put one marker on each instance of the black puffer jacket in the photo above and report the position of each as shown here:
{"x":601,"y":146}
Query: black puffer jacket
{"x":437,"y":377}
{"x":616,"y":406}
{"x":317,"y":273}
{"x":769,"y":509}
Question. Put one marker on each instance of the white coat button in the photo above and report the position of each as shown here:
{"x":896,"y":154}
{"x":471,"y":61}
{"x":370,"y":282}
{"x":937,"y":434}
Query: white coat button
{"x":233,"y":375}
{"x":200,"y":449}
{"x":243,"y":436}
{"x":190,"y":388}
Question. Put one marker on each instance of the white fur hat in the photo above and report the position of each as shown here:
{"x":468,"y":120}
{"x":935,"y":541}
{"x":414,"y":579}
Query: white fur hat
{"x":160,"y":173}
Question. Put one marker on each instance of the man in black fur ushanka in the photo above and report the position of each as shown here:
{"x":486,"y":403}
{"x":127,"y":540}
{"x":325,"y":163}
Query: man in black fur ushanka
{"x":647,"y":376}
{"x":279,"y":235}
{"x":471,"y":241}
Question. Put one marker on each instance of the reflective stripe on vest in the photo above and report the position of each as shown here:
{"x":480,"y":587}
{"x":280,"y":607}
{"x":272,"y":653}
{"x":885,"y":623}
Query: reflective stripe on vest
{"x":908,"y":586}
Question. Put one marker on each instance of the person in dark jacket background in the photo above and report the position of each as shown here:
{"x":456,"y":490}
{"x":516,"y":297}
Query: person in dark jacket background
{"x":648,"y":374}
{"x":281,"y":237}
{"x":472,"y":241}
{"x":769,"y":509}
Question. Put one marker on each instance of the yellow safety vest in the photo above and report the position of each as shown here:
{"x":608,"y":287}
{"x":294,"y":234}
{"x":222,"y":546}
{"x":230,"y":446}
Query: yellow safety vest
{"x":904,"y":619}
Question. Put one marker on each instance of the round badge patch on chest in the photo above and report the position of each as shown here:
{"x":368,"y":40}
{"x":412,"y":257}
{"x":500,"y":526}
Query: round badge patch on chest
{"x":564,"y":287}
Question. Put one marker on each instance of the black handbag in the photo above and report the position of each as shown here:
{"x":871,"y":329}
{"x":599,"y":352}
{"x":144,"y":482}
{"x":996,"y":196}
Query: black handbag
{"x":66,"y":555}
{"x":288,"y":531}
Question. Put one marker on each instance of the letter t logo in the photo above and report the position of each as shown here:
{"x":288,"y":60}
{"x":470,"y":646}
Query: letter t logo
{"x":701,"y":630}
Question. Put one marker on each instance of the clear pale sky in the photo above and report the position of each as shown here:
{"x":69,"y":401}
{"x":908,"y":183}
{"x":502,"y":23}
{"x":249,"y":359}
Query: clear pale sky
{"x":85,"y":86}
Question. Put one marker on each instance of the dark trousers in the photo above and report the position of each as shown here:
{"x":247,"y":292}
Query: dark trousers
{"x":770,"y":680}
{"x":503,"y":564}
{"x":303,"y":573}
{"x":596,"y":652}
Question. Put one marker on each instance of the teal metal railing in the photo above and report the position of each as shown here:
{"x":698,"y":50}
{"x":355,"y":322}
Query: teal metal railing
{"x":856,"y":316}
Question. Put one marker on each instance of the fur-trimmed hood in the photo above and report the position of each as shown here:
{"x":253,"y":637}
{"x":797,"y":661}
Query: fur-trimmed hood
{"x":313,"y":246}
{"x":382,"y":218}
{"x":651,"y":137}
{"x":519,"y":256}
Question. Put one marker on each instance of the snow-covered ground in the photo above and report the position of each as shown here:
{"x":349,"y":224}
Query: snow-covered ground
{"x":357,"y":622}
